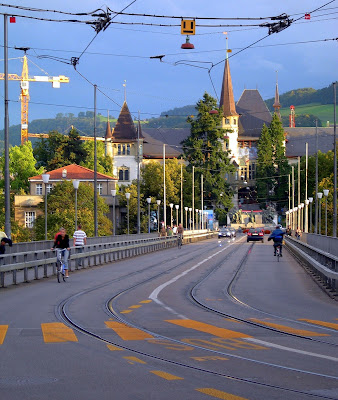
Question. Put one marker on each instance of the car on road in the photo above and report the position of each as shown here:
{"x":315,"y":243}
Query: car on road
{"x":224,"y":232}
{"x":255,"y":234}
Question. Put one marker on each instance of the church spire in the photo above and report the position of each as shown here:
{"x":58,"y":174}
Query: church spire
{"x":227,"y":101}
{"x":276,"y":104}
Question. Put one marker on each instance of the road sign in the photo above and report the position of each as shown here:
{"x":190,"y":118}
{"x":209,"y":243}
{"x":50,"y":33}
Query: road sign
{"x":188,"y":27}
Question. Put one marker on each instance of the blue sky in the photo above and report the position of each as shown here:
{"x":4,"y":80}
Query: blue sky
{"x":122,"y":53}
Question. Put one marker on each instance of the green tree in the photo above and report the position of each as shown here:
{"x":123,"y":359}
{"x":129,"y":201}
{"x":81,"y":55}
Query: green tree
{"x":204,"y":149}
{"x":104,"y":163}
{"x":22,"y":165}
{"x":61,"y":211}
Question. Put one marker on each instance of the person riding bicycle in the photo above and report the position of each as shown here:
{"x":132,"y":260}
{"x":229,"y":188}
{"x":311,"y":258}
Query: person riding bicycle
{"x":277,"y":236}
{"x":61,"y":243}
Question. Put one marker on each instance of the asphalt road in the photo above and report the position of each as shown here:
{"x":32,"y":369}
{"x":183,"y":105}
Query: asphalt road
{"x":212,"y":320}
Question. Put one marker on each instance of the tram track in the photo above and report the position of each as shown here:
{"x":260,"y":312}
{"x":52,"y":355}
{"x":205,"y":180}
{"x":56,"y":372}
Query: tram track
{"x":63,"y":313}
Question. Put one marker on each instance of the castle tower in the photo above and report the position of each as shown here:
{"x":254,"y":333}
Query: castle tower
{"x":230,"y":115}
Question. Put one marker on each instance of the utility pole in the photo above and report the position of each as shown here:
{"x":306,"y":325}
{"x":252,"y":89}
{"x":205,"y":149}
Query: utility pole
{"x":193,"y":198}
{"x":138,"y":178}
{"x":306,"y":202}
{"x":316,"y":199}
{"x":202,"y":201}
{"x":95,"y":169}
{"x":164,"y":192}
{"x":181,"y":193}
{"x":334,"y":234}
{"x":293,"y":197}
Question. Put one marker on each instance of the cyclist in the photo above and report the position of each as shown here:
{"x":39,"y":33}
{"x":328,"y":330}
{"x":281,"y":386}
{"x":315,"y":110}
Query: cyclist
{"x":277,"y":237}
{"x":180,"y":231}
{"x":61,"y":243}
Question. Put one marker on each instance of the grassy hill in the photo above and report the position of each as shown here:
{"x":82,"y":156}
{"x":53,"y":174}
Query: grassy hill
{"x":323,"y":112}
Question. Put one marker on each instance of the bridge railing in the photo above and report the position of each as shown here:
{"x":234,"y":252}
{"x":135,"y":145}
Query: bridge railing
{"x":32,"y":265}
{"x":321,"y":263}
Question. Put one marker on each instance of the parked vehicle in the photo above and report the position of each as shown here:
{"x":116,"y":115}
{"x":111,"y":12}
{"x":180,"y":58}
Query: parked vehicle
{"x":255,"y":234}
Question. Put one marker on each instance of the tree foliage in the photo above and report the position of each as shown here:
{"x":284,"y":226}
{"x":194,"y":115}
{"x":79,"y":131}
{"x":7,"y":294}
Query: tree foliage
{"x":104,"y":163}
{"x":204,"y":149}
{"x":61,"y":211}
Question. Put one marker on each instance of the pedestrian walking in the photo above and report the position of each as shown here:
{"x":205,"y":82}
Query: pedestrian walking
{"x":79,"y":241}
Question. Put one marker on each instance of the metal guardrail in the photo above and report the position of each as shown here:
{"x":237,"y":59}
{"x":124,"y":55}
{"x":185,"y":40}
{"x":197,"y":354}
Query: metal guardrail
{"x":323,"y":265}
{"x":27,"y":266}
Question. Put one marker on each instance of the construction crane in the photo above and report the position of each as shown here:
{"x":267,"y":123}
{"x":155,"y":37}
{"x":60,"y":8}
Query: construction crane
{"x":24,"y":96}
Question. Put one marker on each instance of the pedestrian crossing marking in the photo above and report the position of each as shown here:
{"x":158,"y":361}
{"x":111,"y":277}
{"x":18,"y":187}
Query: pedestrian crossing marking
{"x":321,"y":323}
{"x":138,"y":306}
{"x":145,"y":301}
{"x":126,"y":311}
{"x":56,"y":332}
{"x":133,"y":360}
{"x":219,"y":394}
{"x":114,"y":348}
{"x":165,"y":375}
{"x":213,"y":330}
{"x":127,"y":332}
{"x":3,"y":331}
{"x":288,"y":329}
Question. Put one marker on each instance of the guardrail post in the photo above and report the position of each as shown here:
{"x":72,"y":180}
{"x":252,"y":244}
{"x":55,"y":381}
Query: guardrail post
{"x":2,"y":279}
{"x":36,"y":268}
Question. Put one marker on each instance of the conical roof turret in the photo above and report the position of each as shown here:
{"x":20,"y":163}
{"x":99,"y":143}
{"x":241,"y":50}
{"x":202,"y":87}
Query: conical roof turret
{"x":227,"y":101}
{"x":125,"y":130}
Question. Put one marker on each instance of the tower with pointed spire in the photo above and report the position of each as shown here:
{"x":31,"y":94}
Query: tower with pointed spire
{"x":276,"y":104}
{"x":230,"y":115}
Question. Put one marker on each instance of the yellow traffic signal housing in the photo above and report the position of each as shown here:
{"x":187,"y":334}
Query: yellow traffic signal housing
{"x":188,"y":27}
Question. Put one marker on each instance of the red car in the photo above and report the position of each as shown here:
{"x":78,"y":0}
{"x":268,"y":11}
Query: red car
{"x":255,"y":234}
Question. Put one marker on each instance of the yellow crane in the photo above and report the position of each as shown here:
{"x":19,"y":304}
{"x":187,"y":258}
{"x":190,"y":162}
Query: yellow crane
{"x":24,"y":96}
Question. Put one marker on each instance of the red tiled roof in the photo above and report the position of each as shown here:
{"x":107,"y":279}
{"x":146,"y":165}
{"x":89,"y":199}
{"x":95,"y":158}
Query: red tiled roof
{"x":74,"y":171}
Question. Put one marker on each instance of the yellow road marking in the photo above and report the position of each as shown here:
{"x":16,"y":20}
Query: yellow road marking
{"x":55,"y":332}
{"x":209,"y":358}
{"x":114,"y":348}
{"x":127,"y":332}
{"x":202,"y":327}
{"x":166,"y":376}
{"x":146,"y":301}
{"x":219,"y":394}
{"x":3,"y":331}
{"x":321,"y":323}
{"x":233,"y":320}
{"x":289,"y":329}
{"x":131,"y":360}
{"x":135,"y":306}
{"x":126,"y":311}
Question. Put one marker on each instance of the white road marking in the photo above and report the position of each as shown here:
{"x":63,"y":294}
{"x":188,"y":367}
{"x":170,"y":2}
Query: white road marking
{"x":277,"y":346}
{"x":154,"y":294}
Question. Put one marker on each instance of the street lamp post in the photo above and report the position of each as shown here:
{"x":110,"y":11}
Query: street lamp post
{"x":190,"y":209}
{"x":45,"y":178}
{"x":196,"y":209}
{"x":311,"y":201}
{"x":76,"y":184}
{"x":306,"y":230}
{"x":201,"y":219}
{"x":319,"y":197}
{"x":113,"y":193}
{"x":186,"y":217}
{"x":326,"y":193}
{"x":148,"y":201}
{"x":158,"y":202}
{"x":171,"y":205}
{"x":177,"y":207}
{"x":302,"y":216}
{"x":127,"y":197}
{"x":299,"y":216}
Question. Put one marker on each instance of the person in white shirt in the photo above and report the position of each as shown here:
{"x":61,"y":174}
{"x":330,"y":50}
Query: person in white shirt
{"x":80,"y":240}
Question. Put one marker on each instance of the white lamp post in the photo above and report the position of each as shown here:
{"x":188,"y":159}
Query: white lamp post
{"x":113,"y":193}
{"x":196,"y":209}
{"x":171,"y":205}
{"x":311,"y":201}
{"x":190,"y":209}
{"x":201,"y":219}
{"x":302,"y":216}
{"x":186,"y":217}
{"x":45,"y":178}
{"x":76,"y":184}
{"x":127,"y":197}
{"x":319,"y":197}
{"x":177,"y":207}
{"x":158,"y":202}
{"x":326,"y":193}
{"x":148,"y":201}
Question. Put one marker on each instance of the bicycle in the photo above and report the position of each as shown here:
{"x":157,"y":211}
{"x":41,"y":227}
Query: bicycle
{"x":278,"y":251}
{"x":60,"y":266}
{"x":179,"y":241}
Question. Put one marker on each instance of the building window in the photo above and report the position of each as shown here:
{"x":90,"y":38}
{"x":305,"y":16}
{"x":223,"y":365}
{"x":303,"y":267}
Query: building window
{"x":29,"y":219}
{"x":49,"y":187}
{"x":99,"y":188}
{"x":227,"y":121}
{"x":119,"y":150}
{"x":128,"y":149}
{"x":252,"y":171}
{"x":38,"y":189}
{"x":124,"y":174}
